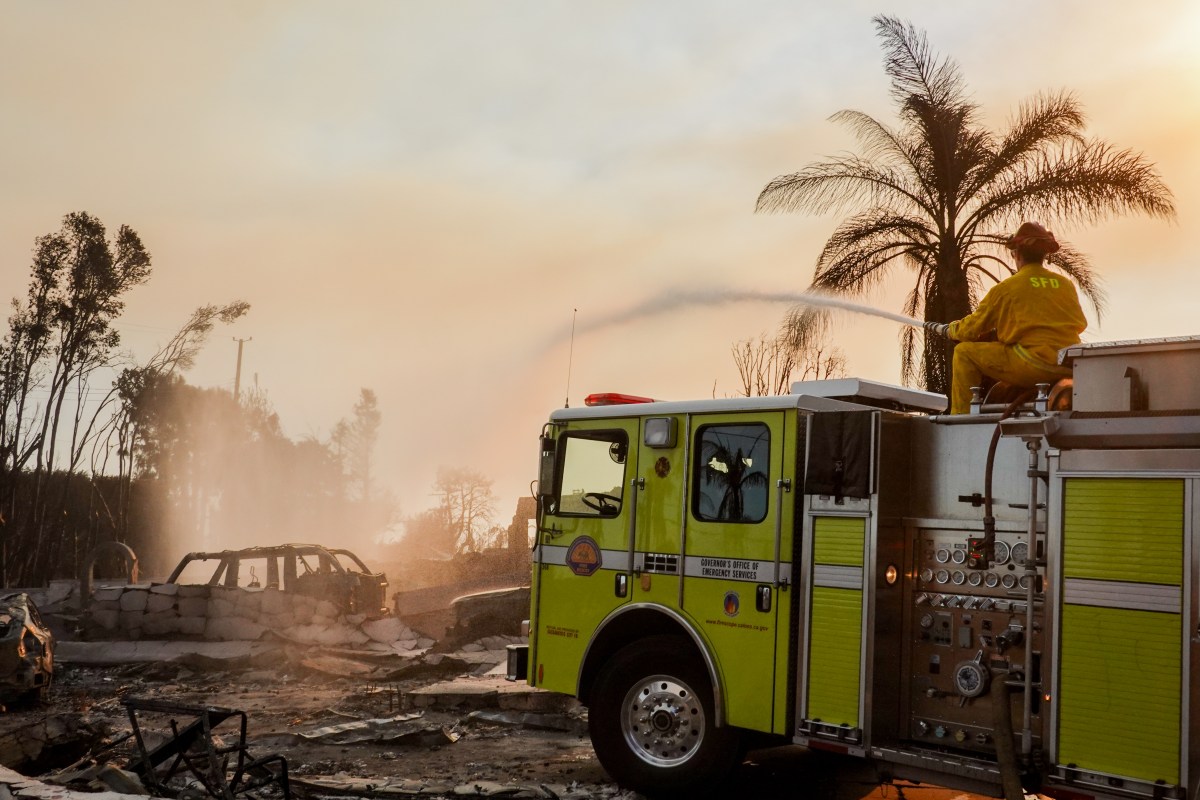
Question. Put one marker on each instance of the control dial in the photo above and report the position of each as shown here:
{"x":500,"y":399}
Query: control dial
{"x":971,"y":678}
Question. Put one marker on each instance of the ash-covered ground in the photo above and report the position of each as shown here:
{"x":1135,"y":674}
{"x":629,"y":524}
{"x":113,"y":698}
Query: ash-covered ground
{"x":434,"y":720}
{"x":429,"y":725}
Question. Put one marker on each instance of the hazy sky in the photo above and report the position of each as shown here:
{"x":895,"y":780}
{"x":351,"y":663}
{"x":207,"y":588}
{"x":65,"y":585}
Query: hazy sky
{"x":414,"y":196}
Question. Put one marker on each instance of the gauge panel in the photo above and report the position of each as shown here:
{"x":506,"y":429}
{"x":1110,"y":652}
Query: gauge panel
{"x":955,"y":613}
{"x":942,"y":551}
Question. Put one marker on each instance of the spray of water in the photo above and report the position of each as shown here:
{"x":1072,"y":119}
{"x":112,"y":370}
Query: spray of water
{"x":676,"y":299}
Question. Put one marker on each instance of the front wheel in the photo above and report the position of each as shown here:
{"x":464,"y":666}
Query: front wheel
{"x":653,"y":722}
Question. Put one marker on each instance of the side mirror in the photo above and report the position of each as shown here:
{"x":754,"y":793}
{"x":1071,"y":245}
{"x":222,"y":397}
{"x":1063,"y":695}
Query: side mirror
{"x":546,"y":464}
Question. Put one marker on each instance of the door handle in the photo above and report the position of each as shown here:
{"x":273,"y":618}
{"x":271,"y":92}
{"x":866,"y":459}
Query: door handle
{"x":635,"y":485}
{"x":781,"y":486}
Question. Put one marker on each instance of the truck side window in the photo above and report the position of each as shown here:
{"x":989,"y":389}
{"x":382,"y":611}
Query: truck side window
{"x":593,"y":473}
{"x":729,"y":477}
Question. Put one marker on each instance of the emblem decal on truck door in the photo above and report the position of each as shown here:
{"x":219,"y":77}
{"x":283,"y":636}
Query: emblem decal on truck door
{"x":583,"y":556}
{"x":733,"y":604}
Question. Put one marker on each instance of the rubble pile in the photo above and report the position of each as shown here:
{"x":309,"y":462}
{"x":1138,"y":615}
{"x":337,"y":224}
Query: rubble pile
{"x":169,"y":610}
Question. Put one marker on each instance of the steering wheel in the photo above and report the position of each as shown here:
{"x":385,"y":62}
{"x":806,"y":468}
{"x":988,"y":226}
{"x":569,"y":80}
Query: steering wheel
{"x":604,"y":503}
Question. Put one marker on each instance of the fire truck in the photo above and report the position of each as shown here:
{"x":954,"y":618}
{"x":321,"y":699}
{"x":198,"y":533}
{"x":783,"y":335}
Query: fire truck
{"x":979,"y":601}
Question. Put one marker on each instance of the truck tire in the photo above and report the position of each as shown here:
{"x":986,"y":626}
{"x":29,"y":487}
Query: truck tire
{"x":653,"y":723}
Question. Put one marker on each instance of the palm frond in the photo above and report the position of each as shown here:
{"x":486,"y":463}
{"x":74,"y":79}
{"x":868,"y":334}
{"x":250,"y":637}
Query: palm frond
{"x":1088,"y":183}
{"x":857,"y":255}
{"x":1076,"y":265}
{"x":838,"y":183}
{"x":914,"y":302}
{"x":803,"y":326}
{"x":879,"y":141}
{"x":974,"y":263}
{"x":913,"y":66}
{"x":1045,"y":120}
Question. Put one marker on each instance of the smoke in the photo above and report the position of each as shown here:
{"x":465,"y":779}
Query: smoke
{"x":672,"y":300}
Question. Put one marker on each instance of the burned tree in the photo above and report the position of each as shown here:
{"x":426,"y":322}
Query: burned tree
{"x":57,"y":339}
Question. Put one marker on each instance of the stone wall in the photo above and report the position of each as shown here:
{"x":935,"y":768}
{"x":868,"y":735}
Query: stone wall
{"x":169,"y":610}
{"x":61,"y":596}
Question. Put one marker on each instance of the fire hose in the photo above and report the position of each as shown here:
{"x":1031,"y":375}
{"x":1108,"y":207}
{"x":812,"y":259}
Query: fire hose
{"x":998,"y":696}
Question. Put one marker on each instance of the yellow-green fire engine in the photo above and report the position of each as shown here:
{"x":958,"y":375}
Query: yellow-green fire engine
{"x":967,"y":600}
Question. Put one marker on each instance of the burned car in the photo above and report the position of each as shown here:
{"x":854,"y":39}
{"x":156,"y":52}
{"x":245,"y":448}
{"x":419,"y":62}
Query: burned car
{"x":331,"y":574}
{"x":26,"y":650}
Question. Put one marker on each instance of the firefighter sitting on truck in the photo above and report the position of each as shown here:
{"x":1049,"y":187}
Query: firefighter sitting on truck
{"x":1033,"y":314}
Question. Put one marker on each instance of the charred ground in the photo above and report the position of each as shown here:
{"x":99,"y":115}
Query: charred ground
{"x":451,"y":730}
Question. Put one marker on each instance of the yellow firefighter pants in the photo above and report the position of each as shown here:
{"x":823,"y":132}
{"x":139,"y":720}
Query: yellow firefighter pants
{"x":1001,"y":362}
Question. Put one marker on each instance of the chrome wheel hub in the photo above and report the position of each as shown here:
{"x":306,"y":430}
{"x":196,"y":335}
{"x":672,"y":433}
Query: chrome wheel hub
{"x":663,"y":721}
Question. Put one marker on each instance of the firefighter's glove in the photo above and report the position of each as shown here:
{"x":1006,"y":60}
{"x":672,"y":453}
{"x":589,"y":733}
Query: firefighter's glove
{"x":940,"y":328}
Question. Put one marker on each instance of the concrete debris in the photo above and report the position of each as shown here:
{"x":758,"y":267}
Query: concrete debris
{"x":403,"y":730}
{"x":95,"y":777}
{"x":110,"y":653}
{"x":18,"y":787}
{"x":526,"y":719}
{"x":479,"y":693}
{"x":61,"y":596}
{"x":430,"y":665}
{"x":406,"y":787}
{"x":388,"y":630}
{"x":63,"y":736}
{"x":341,"y":667}
{"x":120,"y":780}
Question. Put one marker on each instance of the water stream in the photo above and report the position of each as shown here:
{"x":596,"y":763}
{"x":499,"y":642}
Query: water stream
{"x":676,"y":299}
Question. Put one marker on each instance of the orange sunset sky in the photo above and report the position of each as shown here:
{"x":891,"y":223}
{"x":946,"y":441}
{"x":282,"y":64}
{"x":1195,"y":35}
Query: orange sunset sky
{"x":414,"y":196}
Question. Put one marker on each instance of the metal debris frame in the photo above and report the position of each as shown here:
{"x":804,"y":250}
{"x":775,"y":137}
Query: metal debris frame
{"x":194,"y":750}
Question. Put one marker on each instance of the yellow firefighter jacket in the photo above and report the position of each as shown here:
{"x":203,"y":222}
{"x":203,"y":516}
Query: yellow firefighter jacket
{"x":1035,"y":308}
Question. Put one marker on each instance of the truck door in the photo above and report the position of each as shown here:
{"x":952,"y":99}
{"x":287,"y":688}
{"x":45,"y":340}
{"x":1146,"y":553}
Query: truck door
{"x":737,"y":545}
{"x":581,"y":571}
{"x":1123,"y":640}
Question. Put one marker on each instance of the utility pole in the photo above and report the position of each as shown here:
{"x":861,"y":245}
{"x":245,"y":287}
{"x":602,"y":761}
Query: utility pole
{"x":237,"y":378}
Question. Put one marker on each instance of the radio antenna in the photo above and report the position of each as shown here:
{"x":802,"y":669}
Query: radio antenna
{"x":570,"y":358}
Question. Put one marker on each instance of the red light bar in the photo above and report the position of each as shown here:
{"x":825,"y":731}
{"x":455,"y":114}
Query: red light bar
{"x":614,"y":399}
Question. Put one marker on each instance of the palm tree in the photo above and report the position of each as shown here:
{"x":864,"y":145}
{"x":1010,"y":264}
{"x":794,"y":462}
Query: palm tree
{"x":940,"y":193}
